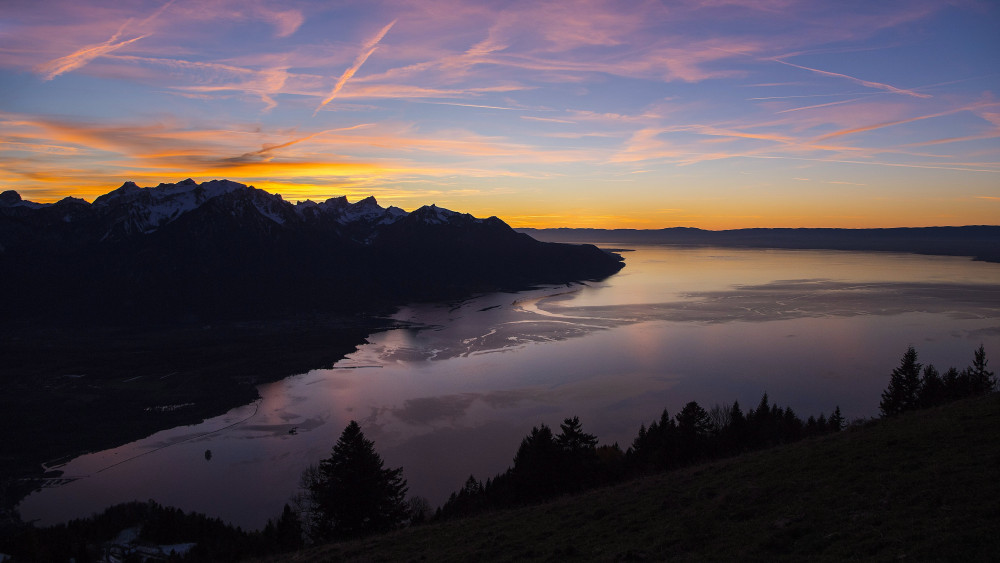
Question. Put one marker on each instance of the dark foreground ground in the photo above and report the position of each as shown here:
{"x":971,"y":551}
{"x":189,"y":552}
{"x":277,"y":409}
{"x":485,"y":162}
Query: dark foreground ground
{"x":921,"y":487}
{"x":65,"y":391}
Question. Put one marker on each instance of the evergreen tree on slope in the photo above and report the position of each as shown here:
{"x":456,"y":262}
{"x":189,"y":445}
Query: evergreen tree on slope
{"x":350,"y":494}
{"x":904,"y":386}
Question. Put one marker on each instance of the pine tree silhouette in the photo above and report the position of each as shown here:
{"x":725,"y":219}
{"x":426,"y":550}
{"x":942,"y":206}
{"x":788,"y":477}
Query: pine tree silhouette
{"x":904,"y":386}
{"x":981,"y":379}
{"x":351,"y":494}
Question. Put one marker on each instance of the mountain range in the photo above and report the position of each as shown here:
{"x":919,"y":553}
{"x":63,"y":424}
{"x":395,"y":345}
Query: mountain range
{"x":981,"y":242}
{"x":221,"y":249}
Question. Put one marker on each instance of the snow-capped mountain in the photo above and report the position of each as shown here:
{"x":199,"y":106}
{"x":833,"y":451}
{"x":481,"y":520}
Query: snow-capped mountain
{"x":131,"y":210}
{"x":338,"y":209}
{"x":190,"y":250}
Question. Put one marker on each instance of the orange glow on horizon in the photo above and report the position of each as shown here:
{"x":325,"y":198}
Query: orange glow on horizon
{"x":356,"y":186}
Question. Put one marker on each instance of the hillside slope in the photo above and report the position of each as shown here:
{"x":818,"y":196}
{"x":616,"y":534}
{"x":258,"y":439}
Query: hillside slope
{"x":922,"y":487}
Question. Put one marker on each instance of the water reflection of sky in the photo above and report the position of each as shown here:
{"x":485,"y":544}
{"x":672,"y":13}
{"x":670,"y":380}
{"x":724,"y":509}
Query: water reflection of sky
{"x":453,"y":394}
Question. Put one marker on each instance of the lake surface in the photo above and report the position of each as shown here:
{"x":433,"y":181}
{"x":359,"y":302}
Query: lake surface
{"x":454,"y":394}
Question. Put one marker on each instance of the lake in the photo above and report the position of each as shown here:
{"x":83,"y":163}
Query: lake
{"x":454,"y":392}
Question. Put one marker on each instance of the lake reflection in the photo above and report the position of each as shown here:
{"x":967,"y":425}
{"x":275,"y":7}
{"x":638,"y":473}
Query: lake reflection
{"x":454,"y":394}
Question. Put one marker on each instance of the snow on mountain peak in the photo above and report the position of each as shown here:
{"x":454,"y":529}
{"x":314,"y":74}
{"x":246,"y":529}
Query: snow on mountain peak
{"x":131,"y":209}
{"x":366,"y":210}
{"x":393,"y":214}
{"x":144,"y":210}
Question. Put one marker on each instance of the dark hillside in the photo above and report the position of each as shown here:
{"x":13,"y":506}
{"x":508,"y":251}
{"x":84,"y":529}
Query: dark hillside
{"x":189,"y":253}
{"x":923,"y":486}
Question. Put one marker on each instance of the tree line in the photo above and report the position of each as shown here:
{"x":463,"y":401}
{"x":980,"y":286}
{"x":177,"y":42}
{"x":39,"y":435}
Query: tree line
{"x":910,"y":388}
{"x":351,"y":494}
{"x":549,"y":464}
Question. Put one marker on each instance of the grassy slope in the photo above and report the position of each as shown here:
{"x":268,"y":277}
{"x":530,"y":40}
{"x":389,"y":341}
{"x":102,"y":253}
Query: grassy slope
{"x":922,"y":487}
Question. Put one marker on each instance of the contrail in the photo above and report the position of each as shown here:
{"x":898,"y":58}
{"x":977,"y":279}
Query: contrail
{"x":867,"y":83}
{"x":821,"y":105}
{"x":83,"y":56}
{"x":157,"y":13}
{"x":899,"y":122}
{"x":369,"y":48}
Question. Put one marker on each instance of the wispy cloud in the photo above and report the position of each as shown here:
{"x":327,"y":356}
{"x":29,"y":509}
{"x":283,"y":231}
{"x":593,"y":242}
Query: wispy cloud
{"x":268,"y":150}
{"x":264,"y":83}
{"x":286,"y":22}
{"x":366,"y":52}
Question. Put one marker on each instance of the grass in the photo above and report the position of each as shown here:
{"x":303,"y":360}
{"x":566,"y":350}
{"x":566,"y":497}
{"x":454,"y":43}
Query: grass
{"x":924,"y":486}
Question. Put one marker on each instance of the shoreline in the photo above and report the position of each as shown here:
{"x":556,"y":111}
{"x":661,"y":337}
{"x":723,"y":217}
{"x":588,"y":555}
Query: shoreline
{"x":66,"y":391}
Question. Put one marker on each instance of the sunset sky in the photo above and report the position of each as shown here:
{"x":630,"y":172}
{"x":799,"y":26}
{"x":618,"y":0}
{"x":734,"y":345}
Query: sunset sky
{"x":704,"y":113}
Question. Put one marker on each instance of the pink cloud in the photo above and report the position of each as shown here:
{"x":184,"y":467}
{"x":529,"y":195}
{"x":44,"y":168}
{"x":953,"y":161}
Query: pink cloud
{"x":286,"y":22}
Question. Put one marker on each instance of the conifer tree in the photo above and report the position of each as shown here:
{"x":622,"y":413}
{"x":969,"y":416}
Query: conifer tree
{"x":904,"y":386}
{"x":761,"y":424}
{"x":952,"y":381}
{"x":470,"y":499}
{"x":288,"y":530}
{"x":981,"y":379}
{"x":655,"y":447}
{"x":536,"y":465}
{"x":693,"y":428}
{"x":932,"y":390}
{"x":836,"y":421}
{"x":811,"y":427}
{"x":572,"y":438}
{"x":578,"y":456}
{"x":350,"y":494}
{"x":791,"y":426}
{"x":733,"y":435}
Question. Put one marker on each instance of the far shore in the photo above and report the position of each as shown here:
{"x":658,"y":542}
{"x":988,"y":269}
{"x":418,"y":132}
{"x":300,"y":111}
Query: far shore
{"x":979,"y":242}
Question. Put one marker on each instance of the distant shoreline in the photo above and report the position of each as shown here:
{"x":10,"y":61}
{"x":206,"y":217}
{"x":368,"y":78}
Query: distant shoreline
{"x":980,"y":242}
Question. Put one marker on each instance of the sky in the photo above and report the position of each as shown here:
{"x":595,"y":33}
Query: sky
{"x":623,"y":114}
